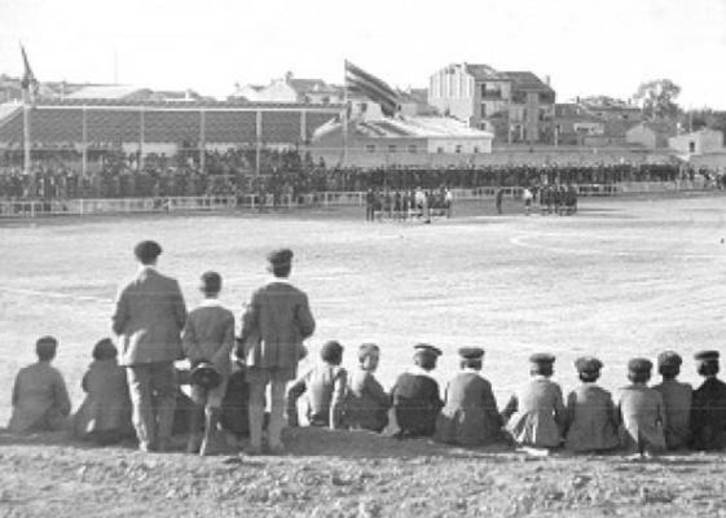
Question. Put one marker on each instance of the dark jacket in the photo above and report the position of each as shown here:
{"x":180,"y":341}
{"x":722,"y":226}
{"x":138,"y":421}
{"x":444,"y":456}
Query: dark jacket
{"x":416,"y":403}
{"x":708,"y":415}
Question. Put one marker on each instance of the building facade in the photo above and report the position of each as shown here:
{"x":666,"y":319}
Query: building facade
{"x":517,"y":107}
{"x":700,"y":142}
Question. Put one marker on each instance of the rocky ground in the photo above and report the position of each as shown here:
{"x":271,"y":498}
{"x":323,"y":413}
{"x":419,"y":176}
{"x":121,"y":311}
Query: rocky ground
{"x":329,"y":473}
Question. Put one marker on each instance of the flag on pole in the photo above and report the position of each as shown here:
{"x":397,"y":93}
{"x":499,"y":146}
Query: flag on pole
{"x":29,"y":83}
{"x":359,"y":81}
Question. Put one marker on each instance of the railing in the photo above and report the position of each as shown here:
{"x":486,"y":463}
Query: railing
{"x":221,"y":203}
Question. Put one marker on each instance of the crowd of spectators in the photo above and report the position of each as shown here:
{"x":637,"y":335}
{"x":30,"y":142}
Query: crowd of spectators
{"x":113,"y":173}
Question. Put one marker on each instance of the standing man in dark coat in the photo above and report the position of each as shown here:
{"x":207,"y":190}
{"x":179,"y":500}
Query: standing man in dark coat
{"x":708,"y":417}
{"x":150,"y":314}
{"x":416,"y":399}
{"x":274,"y":325}
{"x":470,"y":416}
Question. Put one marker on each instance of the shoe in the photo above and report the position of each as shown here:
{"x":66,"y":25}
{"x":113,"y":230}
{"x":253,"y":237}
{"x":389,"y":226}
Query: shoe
{"x":253,"y":450}
{"x":194,"y":443}
{"x":164,"y":446}
{"x":277,"y":448}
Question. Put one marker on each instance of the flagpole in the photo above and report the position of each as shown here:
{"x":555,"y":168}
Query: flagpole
{"x":26,"y":143}
{"x":345,"y":117}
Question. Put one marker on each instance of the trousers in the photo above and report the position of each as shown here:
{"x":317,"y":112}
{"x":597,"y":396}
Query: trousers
{"x":152,"y":387}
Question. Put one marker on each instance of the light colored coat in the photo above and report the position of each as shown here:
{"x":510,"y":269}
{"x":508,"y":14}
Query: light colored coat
{"x":591,"y":420}
{"x":107,"y":406}
{"x":40,"y":399}
{"x":209,"y":335}
{"x":642,"y":419}
{"x":274,"y":325}
{"x":150,"y":314}
{"x":536,"y":414}
{"x":470,"y":416}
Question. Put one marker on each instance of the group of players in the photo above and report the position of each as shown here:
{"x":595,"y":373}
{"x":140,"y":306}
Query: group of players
{"x":404,"y":205}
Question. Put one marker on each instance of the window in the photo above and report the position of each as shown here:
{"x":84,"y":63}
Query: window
{"x":392,"y":148}
{"x":412,"y":148}
{"x":439,"y":150}
{"x":370,"y":148}
{"x":691,"y":147}
{"x":483,"y":111}
{"x":458,"y":148}
{"x":476,"y":149}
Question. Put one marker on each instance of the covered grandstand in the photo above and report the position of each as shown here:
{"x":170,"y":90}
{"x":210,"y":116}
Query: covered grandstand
{"x":161,"y":127}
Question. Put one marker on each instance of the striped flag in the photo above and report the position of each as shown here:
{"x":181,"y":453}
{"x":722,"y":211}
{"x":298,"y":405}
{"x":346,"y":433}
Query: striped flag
{"x":29,"y":83}
{"x":359,"y":81}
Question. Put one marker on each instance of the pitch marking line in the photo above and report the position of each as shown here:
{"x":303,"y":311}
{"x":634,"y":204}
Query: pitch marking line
{"x":55,"y":294}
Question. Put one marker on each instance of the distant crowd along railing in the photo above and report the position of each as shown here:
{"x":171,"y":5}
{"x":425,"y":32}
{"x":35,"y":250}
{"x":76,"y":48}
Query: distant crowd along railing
{"x":215,"y":203}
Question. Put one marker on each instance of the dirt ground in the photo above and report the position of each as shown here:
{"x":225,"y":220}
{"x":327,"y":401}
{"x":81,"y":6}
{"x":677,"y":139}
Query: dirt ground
{"x":624,"y":277}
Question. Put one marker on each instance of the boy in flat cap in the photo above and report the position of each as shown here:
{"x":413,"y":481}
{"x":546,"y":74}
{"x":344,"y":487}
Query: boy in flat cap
{"x":416,"y":399}
{"x":40,"y":399}
{"x":367,"y":404}
{"x":640,"y":412}
{"x":274,"y":325}
{"x":470,"y":416}
{"x":208,"y":337}
{"x":708,"y":418}
{"x":677,"y":400}
{"x":325,"y":387}
{"x":591,"y":423}
{"x":535,"y":415}
{"x":150,"y":314}
{"x":104,"y":416}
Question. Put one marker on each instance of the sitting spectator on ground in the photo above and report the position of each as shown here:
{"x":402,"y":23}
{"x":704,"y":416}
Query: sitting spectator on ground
{"x":535,"y":415}
{"x":324,"y":386}
{"x":416,"y":399}
{"x":208,"y":339}
{"x":677,"y":400}
{"x":470,"y":416}
{"x":591,"y":423}
{"x":640,"y":412}
{"x":708,"y":418}
{"x":104,"y":417}
{"x":367,"y":404}
{"x":40,"y":399}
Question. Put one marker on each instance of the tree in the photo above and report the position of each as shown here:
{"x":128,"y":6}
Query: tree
{"x":657,"y":98}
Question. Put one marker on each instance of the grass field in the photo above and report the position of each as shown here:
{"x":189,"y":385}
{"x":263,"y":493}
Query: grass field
{"x":624,"y":277}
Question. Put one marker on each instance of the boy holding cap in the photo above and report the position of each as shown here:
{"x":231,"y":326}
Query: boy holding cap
{"x":208,"y":339}
{"x":640,"y":412}
{"x":677,"y":400}
{"x":590,"y":411}
{"x":274,"y":325}
{"x":535,"y":414}
{"x":470,"y":416}
{"x":416,"y":399}
{"x":367,"y":403}
{"x":708,"y":421}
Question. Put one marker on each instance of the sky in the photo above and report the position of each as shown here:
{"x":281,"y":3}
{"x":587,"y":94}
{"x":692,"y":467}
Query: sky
{"x":586,"y":47}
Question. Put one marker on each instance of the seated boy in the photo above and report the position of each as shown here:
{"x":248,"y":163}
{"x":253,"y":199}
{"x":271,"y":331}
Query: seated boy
{"x":208,"y":337}
{"x":470,"y":416}
{"x":590,"y":412}
{"x":677,"y":400}
{"x":367,"y":403}
{"x":105,"y":414}
{"x":325,"y":387}
{"x":40,"y":399}
{"x":640,"y":412}
{"x":708,"y":418}
{"x":416,"y":399}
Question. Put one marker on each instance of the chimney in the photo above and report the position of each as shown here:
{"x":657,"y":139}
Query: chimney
{"x":547,"y":80}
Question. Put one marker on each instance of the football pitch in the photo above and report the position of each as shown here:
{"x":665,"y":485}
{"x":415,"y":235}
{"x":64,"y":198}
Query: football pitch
{"x":624,"y":277}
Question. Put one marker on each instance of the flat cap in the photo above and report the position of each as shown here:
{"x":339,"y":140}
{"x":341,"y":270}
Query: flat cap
{"x":471,"y":353}
{"x":709,"y":355}
{"x":280,"y":257}
{"x":669,"y":359}
{"x":542,"y":358}
{"x":428,"y":350}
{"x":588,"y":364}
{"x":206,"y":376}
{"x":146,"y":250}
{"x":640,"y":365}
{"x":368,"y":349}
